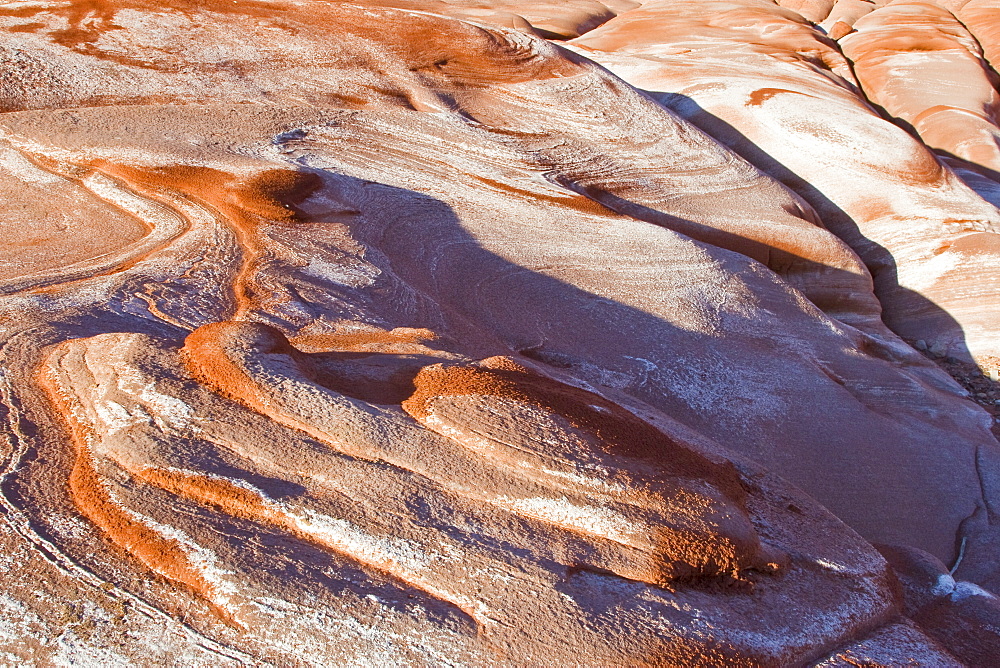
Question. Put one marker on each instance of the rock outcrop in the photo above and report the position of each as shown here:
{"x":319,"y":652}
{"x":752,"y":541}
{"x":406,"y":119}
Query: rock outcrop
{"x":492,"y":333}
{"x":926,"y":238}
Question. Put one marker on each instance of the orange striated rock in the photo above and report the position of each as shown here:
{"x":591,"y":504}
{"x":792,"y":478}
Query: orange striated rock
{"x":845,"y":13}
{"x":847,"y":165}
{"x":474,"y":539}
{"x":980,"y":18}
{"x":919,"y":63}
{"x":406,"y":333}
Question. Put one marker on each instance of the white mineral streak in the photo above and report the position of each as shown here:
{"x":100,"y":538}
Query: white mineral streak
{"x":587,"y":519}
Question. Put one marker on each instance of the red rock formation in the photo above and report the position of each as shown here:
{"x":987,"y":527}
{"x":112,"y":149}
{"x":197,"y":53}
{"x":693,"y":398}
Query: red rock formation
{"x":847,"y":166}
{"x":396,"y":333}
{"x":367,"y":484}
{"x":980,"y":18}
{"x":813,"y":10}
{"x":840,"y":21}
{"x":920,"y":64}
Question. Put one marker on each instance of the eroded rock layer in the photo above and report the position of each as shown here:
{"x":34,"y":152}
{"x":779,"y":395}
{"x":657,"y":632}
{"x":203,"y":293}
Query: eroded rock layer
{"x":927,"y":237}
{"x":919,"y":63}
{"x":409,"y":333}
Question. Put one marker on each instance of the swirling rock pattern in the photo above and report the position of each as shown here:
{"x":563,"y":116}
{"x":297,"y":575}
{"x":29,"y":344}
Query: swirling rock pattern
{"x":407,"y":332}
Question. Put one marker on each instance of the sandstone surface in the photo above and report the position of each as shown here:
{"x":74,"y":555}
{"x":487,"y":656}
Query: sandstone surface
{"x":494,"y":333}
{"x":921,"y":65}
{"x":913,"y":233}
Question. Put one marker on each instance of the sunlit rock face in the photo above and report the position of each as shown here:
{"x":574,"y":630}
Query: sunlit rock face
{"x":492,"y":333}
{"x":927,"y":237}
{"x":919,"y":63}
{"x":980,"y":18}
